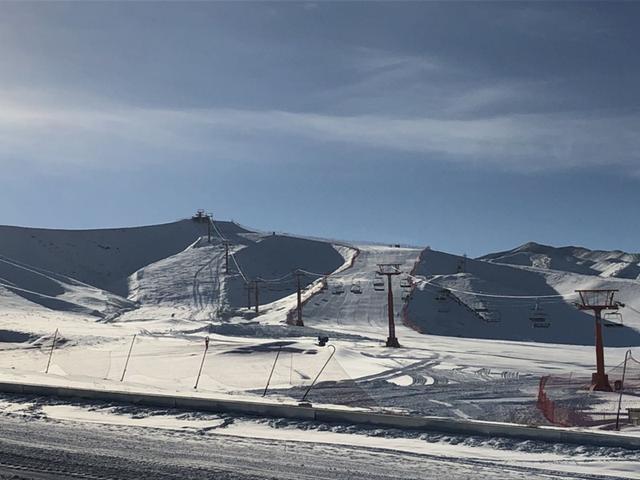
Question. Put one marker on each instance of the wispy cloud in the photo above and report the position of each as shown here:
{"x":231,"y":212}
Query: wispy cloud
{"x":51,"y":134}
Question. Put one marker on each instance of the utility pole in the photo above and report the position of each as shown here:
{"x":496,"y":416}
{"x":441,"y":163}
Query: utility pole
{"x":298,"y":274}
{"x":248,"y":287}
{"x":209,"y":220}
{"x":597,"y":301}
{"x":226,"y":257}
{"x":255,"y":285}
{"x":390,"y":269}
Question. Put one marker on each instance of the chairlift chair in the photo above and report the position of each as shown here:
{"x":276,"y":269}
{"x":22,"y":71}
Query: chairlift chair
{"x":442,"y":295}
{"x":356,"y":288}
{"x":378,"y":284}
{"x":539,"y":317}
{"x":480,"y":307}
{"x":338,"y":289}
{"x":491,"y":316}
{"x":612,"y":319}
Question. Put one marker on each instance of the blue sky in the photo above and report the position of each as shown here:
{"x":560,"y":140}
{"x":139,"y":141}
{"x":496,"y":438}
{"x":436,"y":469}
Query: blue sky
{"x":470,"y":127}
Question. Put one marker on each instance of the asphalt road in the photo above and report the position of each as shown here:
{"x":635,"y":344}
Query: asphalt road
{"x":41,"y":448}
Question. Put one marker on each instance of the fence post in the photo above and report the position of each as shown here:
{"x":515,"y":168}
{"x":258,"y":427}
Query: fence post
{"x":53,"y":345}
{"x":206,"y":347}
{"x":319,"y":373}
{"x":126,"y":363}
{"x":272,"y":369}
{"x":624,"y":371}
{"x":291,"y":371}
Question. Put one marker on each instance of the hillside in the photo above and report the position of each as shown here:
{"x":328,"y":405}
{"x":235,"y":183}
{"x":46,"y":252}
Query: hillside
{"x":501,"y":301}
{"x":103,"y":258}
{"x":604,"y":263}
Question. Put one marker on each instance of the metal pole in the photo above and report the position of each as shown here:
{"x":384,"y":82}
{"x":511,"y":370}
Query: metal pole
{"x":392,"y":325}
{"x":299,"y":322}
{"x":255,"y":284}
{"x":291,"y":370}
{"x":248,"y":295}
{"x":206,"y":347}
{"x":319,"y":373}
{"x":53,"y":345}
{"x":226,"y":257}
{"x":601,"y":382}
{"x":272,"y":369}
{"x":624,"y":371}
{"x":126,"y":363}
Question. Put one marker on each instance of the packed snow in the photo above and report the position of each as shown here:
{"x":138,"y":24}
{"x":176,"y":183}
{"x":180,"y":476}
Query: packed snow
{"x":470,"y":347}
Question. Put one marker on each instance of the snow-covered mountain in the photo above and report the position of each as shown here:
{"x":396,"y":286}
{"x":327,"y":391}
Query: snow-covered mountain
{"x":604,"y":263}
{"x":103,"y":258}
{"x":485,"y":299}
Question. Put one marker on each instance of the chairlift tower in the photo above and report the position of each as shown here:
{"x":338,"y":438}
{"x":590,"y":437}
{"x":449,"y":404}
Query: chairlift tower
{"x":298,"y":274}
{"x":226,"y":256}
{"x":389,"y":270}
{"x":597,"y":301}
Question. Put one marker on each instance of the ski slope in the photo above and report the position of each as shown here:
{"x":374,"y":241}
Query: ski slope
{"x":363,"y":310}
{"x":499,"y":301}
{"x":454,"y":361}
{"x":580,"y":260}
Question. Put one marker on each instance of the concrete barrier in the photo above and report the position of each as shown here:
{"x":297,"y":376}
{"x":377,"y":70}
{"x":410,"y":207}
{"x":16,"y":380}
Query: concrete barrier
{"x":332,"y":415}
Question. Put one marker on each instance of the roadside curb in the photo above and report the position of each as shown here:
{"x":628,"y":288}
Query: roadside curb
{"x":333,"y":415}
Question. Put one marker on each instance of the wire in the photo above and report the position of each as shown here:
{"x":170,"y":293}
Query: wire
{"x":490,"y":295}
{"x":275,"y":280}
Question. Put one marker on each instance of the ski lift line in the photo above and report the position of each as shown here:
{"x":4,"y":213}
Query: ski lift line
{"x":632,"y":309}
{"x":213,"y":224}
{"x":314,"y":273}
{"x":275,"y":280}
{"x":233,"y":257}
{"x":491,"y":295}
{"x":510,"y":301}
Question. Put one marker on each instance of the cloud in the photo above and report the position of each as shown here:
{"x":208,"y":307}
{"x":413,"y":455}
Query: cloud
{"x":107,"y":135}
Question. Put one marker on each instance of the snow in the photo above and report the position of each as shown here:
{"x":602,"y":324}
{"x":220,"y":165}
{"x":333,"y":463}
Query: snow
{"x":572,"y":259}
{"x":473,"y":354}
{"x":494,"y":316}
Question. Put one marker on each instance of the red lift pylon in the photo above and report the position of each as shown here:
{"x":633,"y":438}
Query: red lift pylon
{"x":390,"y":269}
{"x":597,"y":301}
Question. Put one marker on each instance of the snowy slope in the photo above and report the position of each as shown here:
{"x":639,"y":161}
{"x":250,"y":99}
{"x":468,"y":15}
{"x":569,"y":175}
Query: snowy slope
{"x":56,"y":292}
{"x":193,"y":283}
{"x":571,"y":259}
{"x":103,"y":258}
{"x":479,"y":306}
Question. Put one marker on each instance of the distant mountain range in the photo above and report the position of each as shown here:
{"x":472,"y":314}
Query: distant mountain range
{"x":608,"y":264}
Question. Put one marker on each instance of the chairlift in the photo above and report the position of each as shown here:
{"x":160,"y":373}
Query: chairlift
{"x":612,"y":319}
{"x":406,"y":282}
{"x":356,"y":288}
{"x":442,"y":295}
{"x":480,"y":307}
{"x":338,"y":289}
{"x":378,"y":284}
{"x":538,"y":317}
{"x":491,"y":316}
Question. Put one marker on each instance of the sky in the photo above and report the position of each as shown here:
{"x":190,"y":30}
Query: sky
{"x":468,"y":127}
